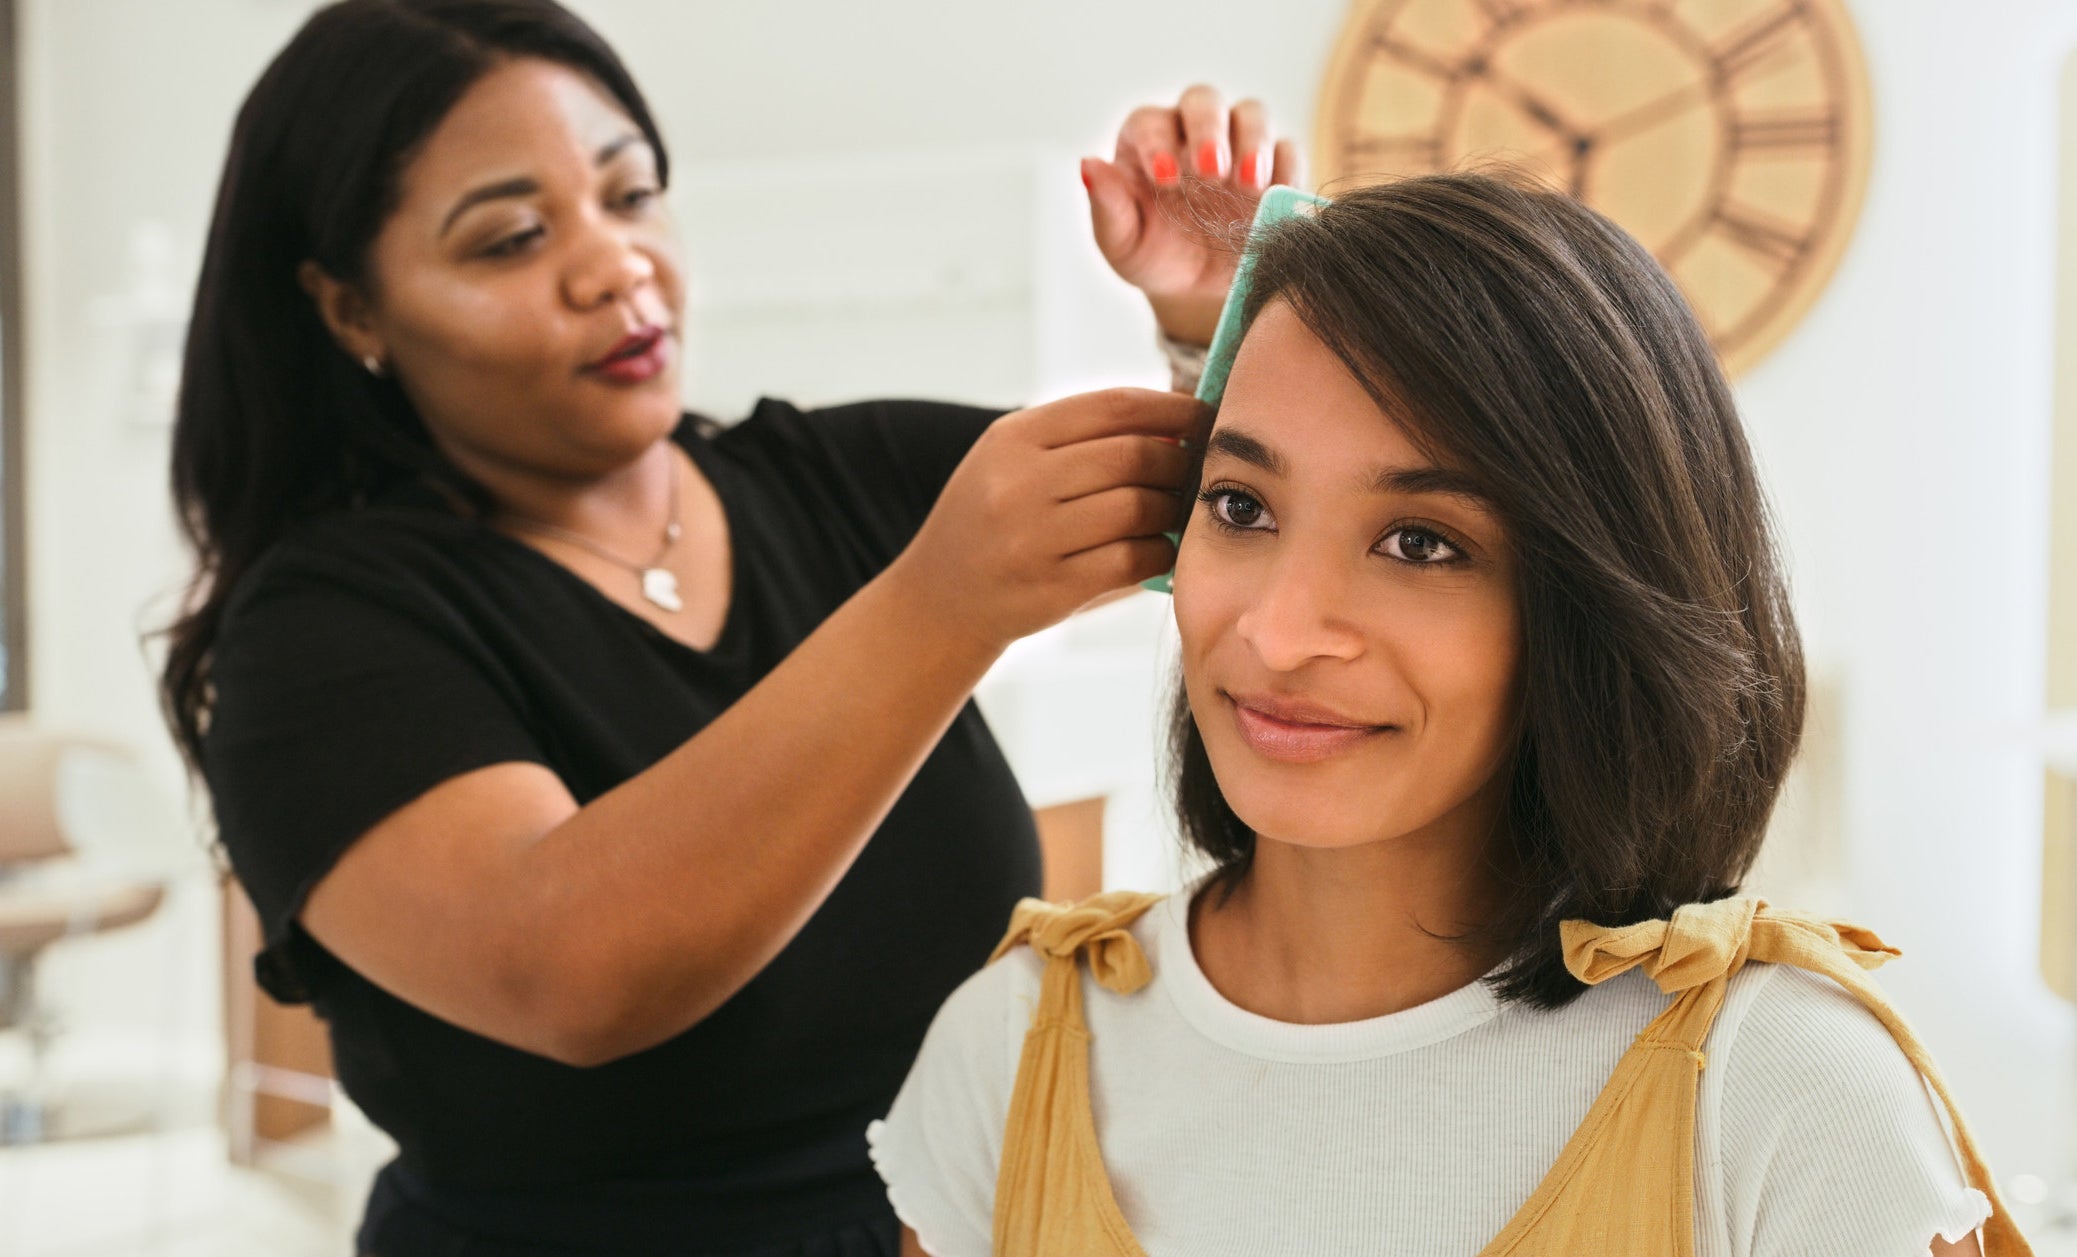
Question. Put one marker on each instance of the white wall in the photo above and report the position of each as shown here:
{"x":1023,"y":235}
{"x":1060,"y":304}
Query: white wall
{"x":1903,"y":427}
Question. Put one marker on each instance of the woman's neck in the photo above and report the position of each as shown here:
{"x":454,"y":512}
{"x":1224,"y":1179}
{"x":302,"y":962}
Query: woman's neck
{"x":624,"y":509}
{"x":1315,"y":935}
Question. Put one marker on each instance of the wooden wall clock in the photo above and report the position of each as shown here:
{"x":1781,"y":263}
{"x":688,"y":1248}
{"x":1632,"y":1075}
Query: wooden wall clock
{"x":1730,"y":136}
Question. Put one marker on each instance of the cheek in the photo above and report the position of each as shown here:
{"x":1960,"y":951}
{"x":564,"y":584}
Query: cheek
{"x":1211,"y":591}
{"x":453,"y":327}
{"x":1465,"y":664}
{"x":664,"y":253}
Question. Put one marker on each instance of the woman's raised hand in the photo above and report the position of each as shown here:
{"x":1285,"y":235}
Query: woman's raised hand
{"x":1162,"y":206}
{"x":1052,"y":508}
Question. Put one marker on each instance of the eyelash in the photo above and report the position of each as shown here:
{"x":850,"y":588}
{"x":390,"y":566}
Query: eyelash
{"x":513,"y":243}
{"x":1212,"y":498}
{"x":634,"y":200}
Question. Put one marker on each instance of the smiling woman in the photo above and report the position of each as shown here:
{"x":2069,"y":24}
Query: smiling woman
{"x":1614,"y":555}
{"x":1489,"y":681}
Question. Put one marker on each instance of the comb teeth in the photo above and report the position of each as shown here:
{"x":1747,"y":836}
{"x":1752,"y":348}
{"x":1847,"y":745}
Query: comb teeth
{"x":1278,"y":203}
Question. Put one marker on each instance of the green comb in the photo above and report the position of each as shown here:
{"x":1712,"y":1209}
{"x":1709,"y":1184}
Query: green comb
{"x":1278,"y":204}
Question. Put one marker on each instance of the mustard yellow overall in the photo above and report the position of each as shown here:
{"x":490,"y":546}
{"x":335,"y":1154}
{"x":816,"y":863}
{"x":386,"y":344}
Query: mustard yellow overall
{"x":1622,"y":1187}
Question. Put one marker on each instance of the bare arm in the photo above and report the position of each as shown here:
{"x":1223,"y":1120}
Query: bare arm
{"x":909,"y":1246}
{"x":585,"y":934}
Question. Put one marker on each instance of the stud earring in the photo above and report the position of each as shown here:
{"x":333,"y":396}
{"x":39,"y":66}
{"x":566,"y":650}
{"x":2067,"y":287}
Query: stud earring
{"x":374,"y":365}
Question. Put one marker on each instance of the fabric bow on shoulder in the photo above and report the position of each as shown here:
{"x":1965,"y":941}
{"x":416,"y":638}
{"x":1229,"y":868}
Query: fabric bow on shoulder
{"x":1098,"y":930}
{"x":1703,"y":941}
{"x":1624,"y":1183}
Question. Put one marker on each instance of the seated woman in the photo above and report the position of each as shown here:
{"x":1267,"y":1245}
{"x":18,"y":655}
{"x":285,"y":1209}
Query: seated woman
{"x":1484,"y":638}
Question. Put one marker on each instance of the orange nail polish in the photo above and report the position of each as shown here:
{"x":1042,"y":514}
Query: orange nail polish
{"x":1164,"y":165}
{"x":1208,"y":159}
{"x":1086,"y":185}
{"x":1248,"y":168}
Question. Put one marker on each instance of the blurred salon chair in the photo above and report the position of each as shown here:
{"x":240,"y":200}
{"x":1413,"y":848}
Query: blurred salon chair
{"x":48,"y":893}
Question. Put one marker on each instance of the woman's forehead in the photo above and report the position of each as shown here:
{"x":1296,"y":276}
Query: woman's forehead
{"x":525,"y":118}
{"x":1294,"y":406}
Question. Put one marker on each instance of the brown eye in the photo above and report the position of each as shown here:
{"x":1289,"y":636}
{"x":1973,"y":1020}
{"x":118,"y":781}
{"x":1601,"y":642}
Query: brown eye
{"x":1234,"y":509}
{"x":1420,"y":546}
{"x":514,"y":243}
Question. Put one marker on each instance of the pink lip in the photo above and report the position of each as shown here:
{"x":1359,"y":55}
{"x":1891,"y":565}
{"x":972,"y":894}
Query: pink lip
{"x":640,"y":355}
{"x":1296,"y":732}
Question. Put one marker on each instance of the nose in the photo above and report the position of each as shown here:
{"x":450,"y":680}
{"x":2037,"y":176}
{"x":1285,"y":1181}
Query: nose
{"x":1301,"y":613}
{"x":607,"y":266}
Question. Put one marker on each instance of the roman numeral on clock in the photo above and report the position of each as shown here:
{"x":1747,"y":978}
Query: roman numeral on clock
{"x":1817,"y":129}
{"x":1773,"y":243}
{"x":1395,"y":152}
{"x":1501,"y":12}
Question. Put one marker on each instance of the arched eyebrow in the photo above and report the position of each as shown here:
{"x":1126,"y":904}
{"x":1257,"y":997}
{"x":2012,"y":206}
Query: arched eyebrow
{"x":1438,"y":480}
{"x":1245,"y":448}
{"x":526,"y":185}
{"x":1446,"y":481}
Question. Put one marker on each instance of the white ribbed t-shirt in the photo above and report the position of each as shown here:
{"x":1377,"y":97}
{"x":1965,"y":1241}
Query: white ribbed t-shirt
{"x":1422,"y":1132}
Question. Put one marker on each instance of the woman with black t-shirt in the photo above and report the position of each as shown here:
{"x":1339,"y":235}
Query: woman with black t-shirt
{"x":608,"y":780}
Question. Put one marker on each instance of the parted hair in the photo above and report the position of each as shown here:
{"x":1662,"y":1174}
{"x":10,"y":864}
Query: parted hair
{"x":1527,"y":340}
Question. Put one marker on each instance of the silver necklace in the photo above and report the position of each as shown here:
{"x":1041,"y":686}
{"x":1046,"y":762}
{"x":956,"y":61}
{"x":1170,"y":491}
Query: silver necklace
{"x":658,"y":584}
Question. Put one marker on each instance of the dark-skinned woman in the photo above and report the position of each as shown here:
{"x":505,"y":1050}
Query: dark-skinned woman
{"x":607,"y":779}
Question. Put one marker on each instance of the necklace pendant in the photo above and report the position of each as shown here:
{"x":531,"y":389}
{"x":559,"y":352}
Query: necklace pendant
{"x":661,"y":587}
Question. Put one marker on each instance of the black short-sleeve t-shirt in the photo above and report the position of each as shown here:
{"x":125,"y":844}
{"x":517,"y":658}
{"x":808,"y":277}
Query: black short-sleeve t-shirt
{"x":377,"y":652}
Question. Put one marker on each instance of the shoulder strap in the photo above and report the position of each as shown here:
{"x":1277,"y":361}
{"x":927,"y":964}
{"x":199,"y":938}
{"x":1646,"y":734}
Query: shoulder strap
{"x":1052,"y":1195}
{"x":1702,"y":939}
{"x":1628,"y":1172}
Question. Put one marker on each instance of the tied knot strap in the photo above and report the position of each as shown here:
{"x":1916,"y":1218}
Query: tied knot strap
{"x":1097,"y":929}
{"x":1705,"y":941}
{"x":1627,"y":1171}
{"x":1052,"y":1196}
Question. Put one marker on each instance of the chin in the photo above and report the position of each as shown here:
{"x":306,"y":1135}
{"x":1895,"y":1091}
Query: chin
{"x":653,"y":412}
{"x":625,"y":431}
{"x":1309,"y":806}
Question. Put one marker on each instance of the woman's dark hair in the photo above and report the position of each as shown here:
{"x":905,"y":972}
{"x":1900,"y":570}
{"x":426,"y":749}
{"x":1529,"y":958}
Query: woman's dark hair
{"x":1532,"y":343}
{"x":274,"y":422}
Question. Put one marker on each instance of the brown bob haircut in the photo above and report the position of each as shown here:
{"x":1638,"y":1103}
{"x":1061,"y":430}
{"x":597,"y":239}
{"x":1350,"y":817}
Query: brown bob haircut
{"x":1530,"y":342}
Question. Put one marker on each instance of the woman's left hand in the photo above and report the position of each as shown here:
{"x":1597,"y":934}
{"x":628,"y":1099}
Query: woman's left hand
{"x":1161,"y":206}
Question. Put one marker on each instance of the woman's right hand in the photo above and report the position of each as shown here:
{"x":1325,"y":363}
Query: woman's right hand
{"x":487,"y":901}
{"x":1052,"y":508}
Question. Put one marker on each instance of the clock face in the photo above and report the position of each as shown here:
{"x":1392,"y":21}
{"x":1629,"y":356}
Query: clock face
{"x":1731,"y":137}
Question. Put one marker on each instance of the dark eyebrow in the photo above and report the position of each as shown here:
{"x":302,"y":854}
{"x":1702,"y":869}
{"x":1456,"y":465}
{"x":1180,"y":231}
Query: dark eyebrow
{"x":1403,"y":480}
{"x":1442,"y":480}
{"x":614,"y":149}
{"x":500,"y":191}
{"x":1245,"y":448}
{"x":524,"y":186}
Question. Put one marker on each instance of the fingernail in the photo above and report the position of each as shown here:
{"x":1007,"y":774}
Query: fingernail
{"x":1251,"y":170}
{"x":1208,"y":159}
{"x":1164,"y":165}
{"x":1087,"y":186}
